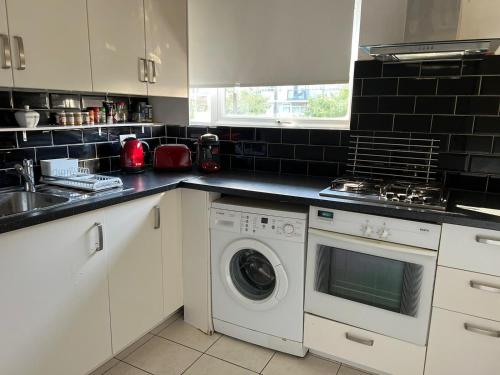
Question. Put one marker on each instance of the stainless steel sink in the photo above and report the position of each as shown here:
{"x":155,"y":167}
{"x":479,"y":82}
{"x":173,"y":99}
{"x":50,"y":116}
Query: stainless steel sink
{"x":22,"y":201}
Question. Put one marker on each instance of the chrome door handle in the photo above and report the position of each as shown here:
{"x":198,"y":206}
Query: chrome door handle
{"x":7,"y":60}
{"x":143,"y":69}
{"x":153,"y":74}
{"x":157,"y":217}
{"x":100,"y":240}
{"x":482,"y":331}
{"x":20,"y":51}
{"x":487,"y":241}
{"x":359,"y":340}
{"x":484,"y":286}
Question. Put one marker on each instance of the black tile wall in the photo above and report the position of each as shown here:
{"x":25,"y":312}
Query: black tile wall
{"x":456,"y":102}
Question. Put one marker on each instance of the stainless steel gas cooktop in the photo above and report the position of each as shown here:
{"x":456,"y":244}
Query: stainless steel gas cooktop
{"x":389,"y":192}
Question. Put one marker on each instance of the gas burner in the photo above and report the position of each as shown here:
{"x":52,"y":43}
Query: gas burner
{"x":393,"y":192}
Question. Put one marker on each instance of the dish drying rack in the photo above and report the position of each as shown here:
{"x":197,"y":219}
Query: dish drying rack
{"x":82,"y":179}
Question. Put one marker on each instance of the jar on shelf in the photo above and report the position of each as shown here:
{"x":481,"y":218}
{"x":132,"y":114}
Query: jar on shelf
{"x":78,"y":118}
{"x":61,"y":118}
{"x":70,"y":118}
{"x":85,"y":118}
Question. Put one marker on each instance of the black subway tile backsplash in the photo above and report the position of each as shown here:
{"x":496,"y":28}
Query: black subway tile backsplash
{"x":242,"y":134}
{"x":93,"y":135}
{"x":325,"y":137}
{"x":435,"y":104}
{"x":412,"y":123}
{"x":441,"y":68}
{"x":35,"y":138}
{"x":281,"y":151}
{"x":8,"y":140}
{"x":67,"y":137}
{"x":380,"y":86}
{"x":87,"y":151}
{"x":267,"y":165}
{"x":309,"y":152}
{"x":366,"y":69}
{"x":401,"y":70}
{"x":381,"y":122}
{"x":417,"y":86}
{"x":488,"y":65}
{"x":452,"y":124}
{"x":484,"y":164}
{"x":478,"y":105}
{"x":458,"y":86}
{"x":396,"y":104}
{"x":57,"y":152}
{"x":490,"y":85}
{"x":295,"y":136}
{"x":293,"y":167}
{"x":471,"y":143}
{"x":365,"y":104}
{"x":9,"y":158}
{"x":268,"y":135}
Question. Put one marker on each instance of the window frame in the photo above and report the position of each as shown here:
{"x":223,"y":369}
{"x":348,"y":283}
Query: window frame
{"x":218,"y":119}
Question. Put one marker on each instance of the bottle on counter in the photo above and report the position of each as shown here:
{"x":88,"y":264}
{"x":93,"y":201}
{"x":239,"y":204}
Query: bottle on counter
{"x":102,"y":115}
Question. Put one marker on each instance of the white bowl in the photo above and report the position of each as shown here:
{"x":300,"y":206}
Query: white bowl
{"x":27,"y":118}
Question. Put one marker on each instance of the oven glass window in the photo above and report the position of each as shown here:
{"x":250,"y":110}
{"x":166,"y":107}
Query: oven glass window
{"x":381,"y":282}
{"x":252,"y":274}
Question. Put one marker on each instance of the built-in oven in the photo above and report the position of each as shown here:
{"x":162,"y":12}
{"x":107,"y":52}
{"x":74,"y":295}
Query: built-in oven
{"x":367,"y":271}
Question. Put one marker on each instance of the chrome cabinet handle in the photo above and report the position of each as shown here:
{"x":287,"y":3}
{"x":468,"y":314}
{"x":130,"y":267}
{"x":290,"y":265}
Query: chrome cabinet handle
{"x":157,"y":217}
{"x":359,"y":340}
{"x":20,"y":51}
{"x":100,"y":243}
{"x":143,"y":69}
{"x":153,"y":74}
{"x":7,"y":60}
{"x":481,"y":330}
{"x":487,"y":241}
{"x":484,"y":286}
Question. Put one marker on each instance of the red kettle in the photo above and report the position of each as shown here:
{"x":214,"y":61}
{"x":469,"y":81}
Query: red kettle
{"x":132,"y":155}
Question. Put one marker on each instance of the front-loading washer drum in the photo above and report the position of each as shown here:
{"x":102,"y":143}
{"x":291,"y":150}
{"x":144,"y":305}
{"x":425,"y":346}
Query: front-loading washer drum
{"x":253,"y":274}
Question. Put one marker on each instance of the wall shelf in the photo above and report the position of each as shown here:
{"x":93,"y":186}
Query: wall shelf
{"x":76,"y":127}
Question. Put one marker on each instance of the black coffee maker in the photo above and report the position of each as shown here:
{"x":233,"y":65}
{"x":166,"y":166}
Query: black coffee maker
{"x":208,"y":158}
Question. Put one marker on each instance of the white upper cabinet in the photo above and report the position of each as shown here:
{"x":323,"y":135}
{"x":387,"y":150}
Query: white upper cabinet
{"x":479,"y":19}
{"x":49,"y":43}
{"x":54,"y":293}
{"x":166,"y":47}
{"x":135,"y":272}
{"x":117,"y":46}
{"x":5,"y":53}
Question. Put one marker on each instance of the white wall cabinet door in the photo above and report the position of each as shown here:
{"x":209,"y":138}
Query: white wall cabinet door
{"x":5,"y":57}
{"x":171,"y":251}
{"x":479,"y":19}
{"x":117,"y":45}
{"x":53,"y":288}
{"x":53,"y":37}
{"x":134,"y":269}
{"x":166,"y":47}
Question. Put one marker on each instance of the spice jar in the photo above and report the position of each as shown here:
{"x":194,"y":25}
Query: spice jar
{"x":61,"y":118}
{"x":91,"y":116}
{"x":85,"y":118}
{"x":78,"y":118}
{"x":70,"y":118}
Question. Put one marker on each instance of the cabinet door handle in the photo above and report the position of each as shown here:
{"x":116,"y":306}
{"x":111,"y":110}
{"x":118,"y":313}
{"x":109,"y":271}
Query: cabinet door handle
{"x":359,"y":340}
{"x":100,"y":239}
{"x":484,"y":286}
{"x":487,"y":241}
{"x":153,"y":74}
{"x":481,"y":330}
{"x":20,"y":51}
{"x":143,"y":69}
{"x":7,"y":60}
{"x":157,"y":217}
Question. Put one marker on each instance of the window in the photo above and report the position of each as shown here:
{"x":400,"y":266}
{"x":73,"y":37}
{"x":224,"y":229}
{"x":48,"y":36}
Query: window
{"x":303,"y":106}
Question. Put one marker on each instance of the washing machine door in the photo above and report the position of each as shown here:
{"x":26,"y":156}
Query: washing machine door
{"x":253,"y":274}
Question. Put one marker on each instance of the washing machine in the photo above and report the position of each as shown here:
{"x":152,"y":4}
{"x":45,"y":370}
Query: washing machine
{"x":258,"y":265}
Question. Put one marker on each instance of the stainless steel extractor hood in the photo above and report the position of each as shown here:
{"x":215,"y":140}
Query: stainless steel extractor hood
{"x":438,"y":50}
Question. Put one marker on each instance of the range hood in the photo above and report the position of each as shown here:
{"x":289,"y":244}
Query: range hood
{"x":439,"y":50}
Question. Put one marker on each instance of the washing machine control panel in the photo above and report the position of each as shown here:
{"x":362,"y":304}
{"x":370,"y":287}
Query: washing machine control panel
{"x":259,"y":225}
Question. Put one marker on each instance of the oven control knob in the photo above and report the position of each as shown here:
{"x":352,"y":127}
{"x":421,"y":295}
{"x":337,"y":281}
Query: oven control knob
{"x":288,"y":228}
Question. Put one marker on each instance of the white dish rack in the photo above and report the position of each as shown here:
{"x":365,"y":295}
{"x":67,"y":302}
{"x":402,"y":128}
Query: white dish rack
{"x":82,"y":179}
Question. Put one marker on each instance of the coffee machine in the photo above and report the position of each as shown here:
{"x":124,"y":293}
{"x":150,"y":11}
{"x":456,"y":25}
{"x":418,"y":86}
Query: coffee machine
{"x":208,"y":158}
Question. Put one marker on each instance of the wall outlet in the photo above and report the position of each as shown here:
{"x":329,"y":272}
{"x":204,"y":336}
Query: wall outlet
{"x":125,"y":136}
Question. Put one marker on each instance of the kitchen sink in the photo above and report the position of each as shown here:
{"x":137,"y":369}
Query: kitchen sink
{"x":17,"y":202}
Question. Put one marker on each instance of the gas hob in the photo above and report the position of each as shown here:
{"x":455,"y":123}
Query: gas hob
{"x":400,"y":193}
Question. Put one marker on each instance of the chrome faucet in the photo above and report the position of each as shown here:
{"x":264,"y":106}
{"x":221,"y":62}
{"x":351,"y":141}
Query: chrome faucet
{"x":27,"y":173}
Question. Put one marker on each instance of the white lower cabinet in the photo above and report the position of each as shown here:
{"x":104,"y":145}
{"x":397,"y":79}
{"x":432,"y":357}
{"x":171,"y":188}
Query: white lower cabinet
{"x":134,"y":254}
{"x":461,"y":344}
{"x":53,"y":287}
{"x":368,"y":349}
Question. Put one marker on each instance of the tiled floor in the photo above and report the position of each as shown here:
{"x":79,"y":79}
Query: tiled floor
{"x":177,"y":348}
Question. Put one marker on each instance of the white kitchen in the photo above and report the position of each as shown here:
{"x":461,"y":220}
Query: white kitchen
{"x":245,"y":187}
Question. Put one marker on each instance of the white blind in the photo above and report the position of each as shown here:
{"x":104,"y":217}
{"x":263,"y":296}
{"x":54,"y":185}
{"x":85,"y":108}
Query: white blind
{"x":269,"y":42}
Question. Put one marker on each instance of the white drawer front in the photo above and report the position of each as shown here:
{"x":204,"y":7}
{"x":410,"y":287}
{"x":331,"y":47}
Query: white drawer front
{"x":374,"y":351}
{"x":468,"y":292}
{"x":455,"y":350}
{"x":470,"y":249}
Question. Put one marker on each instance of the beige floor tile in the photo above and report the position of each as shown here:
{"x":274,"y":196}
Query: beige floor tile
{"x":247,"y":355}
{"x":125,"y":369}
{"x":207,"y":365}
{"x":163,"y":357}
{"x":284,"y":364}
{"x":185,"y":334}
{"x":129,"y":349}
{"x":346,"y":370}
{"x":105,"y":367}
{"x":172,"y":318}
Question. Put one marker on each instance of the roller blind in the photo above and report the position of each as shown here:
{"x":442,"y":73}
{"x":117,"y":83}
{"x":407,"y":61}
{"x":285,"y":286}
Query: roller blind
{"x":269,"y":42}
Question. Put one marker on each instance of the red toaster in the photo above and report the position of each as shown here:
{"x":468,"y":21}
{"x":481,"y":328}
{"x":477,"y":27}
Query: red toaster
{"x":172,"y":158}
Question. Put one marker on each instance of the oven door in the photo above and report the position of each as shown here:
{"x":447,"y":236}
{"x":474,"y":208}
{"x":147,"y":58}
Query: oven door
{"x":374,"y":285}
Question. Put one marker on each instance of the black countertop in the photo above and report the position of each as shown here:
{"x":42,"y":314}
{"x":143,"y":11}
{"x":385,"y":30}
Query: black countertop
{"x":469,"y":209}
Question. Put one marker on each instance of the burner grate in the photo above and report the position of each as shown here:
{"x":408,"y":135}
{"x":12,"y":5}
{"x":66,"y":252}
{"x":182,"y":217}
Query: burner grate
{"x":414,"y":159}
